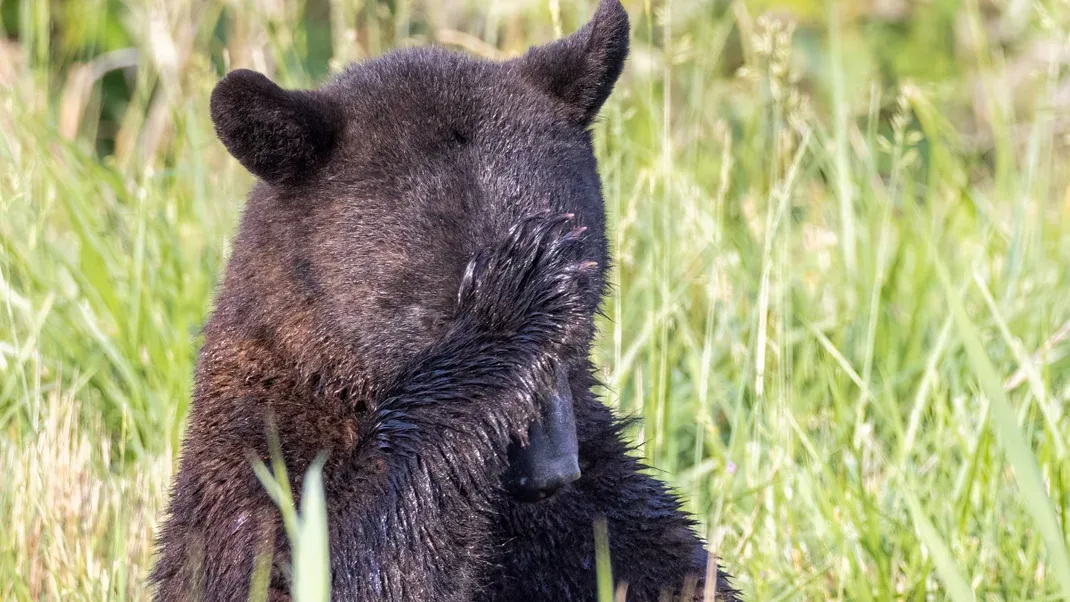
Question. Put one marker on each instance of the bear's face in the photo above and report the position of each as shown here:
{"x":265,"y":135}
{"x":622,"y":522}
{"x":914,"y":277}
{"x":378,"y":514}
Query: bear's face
{"x":378,"y":188}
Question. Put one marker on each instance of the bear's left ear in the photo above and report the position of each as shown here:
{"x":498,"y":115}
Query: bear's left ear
{"x":580,"y":69}
{"x":281,"y":136}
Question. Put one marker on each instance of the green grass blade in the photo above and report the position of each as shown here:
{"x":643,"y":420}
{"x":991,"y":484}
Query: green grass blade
{"x":312,"y":577}
{"x":1005,"y":423}
{"x":602,"y":560}
{"x":951,"y":575}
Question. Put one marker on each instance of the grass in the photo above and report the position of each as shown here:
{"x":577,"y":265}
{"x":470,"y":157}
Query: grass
{"x":841,"y":305}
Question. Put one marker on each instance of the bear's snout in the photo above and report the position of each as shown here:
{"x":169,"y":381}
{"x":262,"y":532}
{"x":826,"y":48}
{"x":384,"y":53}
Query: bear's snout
{"x":550,"y":460}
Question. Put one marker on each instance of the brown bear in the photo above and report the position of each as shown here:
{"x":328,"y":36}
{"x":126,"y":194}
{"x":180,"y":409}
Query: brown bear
{"x":411,"y":293}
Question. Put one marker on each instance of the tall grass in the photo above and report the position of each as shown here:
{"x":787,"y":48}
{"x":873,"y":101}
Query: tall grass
{"x":841,"y":301}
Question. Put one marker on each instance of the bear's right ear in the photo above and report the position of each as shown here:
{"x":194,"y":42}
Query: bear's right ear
{"x":280,"y":136}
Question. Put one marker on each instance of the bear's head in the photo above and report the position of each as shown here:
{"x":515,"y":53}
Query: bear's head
{"x":377,"y":188}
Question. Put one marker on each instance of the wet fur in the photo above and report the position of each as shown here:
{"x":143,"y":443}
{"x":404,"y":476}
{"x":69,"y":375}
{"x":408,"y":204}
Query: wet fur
{"x":426,"y":245}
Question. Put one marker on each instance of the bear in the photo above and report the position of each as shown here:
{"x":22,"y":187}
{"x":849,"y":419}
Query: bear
{"x":411,"y":296}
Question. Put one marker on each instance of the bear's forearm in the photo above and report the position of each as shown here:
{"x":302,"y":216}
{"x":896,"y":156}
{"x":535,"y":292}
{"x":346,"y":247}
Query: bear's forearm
{"x":437,"y":443}
{"x":478,"y":387}
{"x":422,"y":538}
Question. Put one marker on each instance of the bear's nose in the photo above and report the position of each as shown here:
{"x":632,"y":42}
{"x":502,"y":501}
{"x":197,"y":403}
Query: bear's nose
{"x":550,"y":460}
{"x":550,"y":476}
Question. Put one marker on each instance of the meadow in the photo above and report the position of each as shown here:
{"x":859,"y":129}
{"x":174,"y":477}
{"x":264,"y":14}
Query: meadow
{"x":841,"y":301}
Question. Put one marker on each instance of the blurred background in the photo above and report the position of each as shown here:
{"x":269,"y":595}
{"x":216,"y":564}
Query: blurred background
{"x":841,"y":303}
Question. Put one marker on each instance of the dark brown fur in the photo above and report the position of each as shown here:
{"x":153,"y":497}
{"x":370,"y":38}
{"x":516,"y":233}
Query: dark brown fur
{"x":425,"y":247}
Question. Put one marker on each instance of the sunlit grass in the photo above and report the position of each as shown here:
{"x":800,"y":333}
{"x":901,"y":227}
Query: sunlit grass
{"x":840,"y":308}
